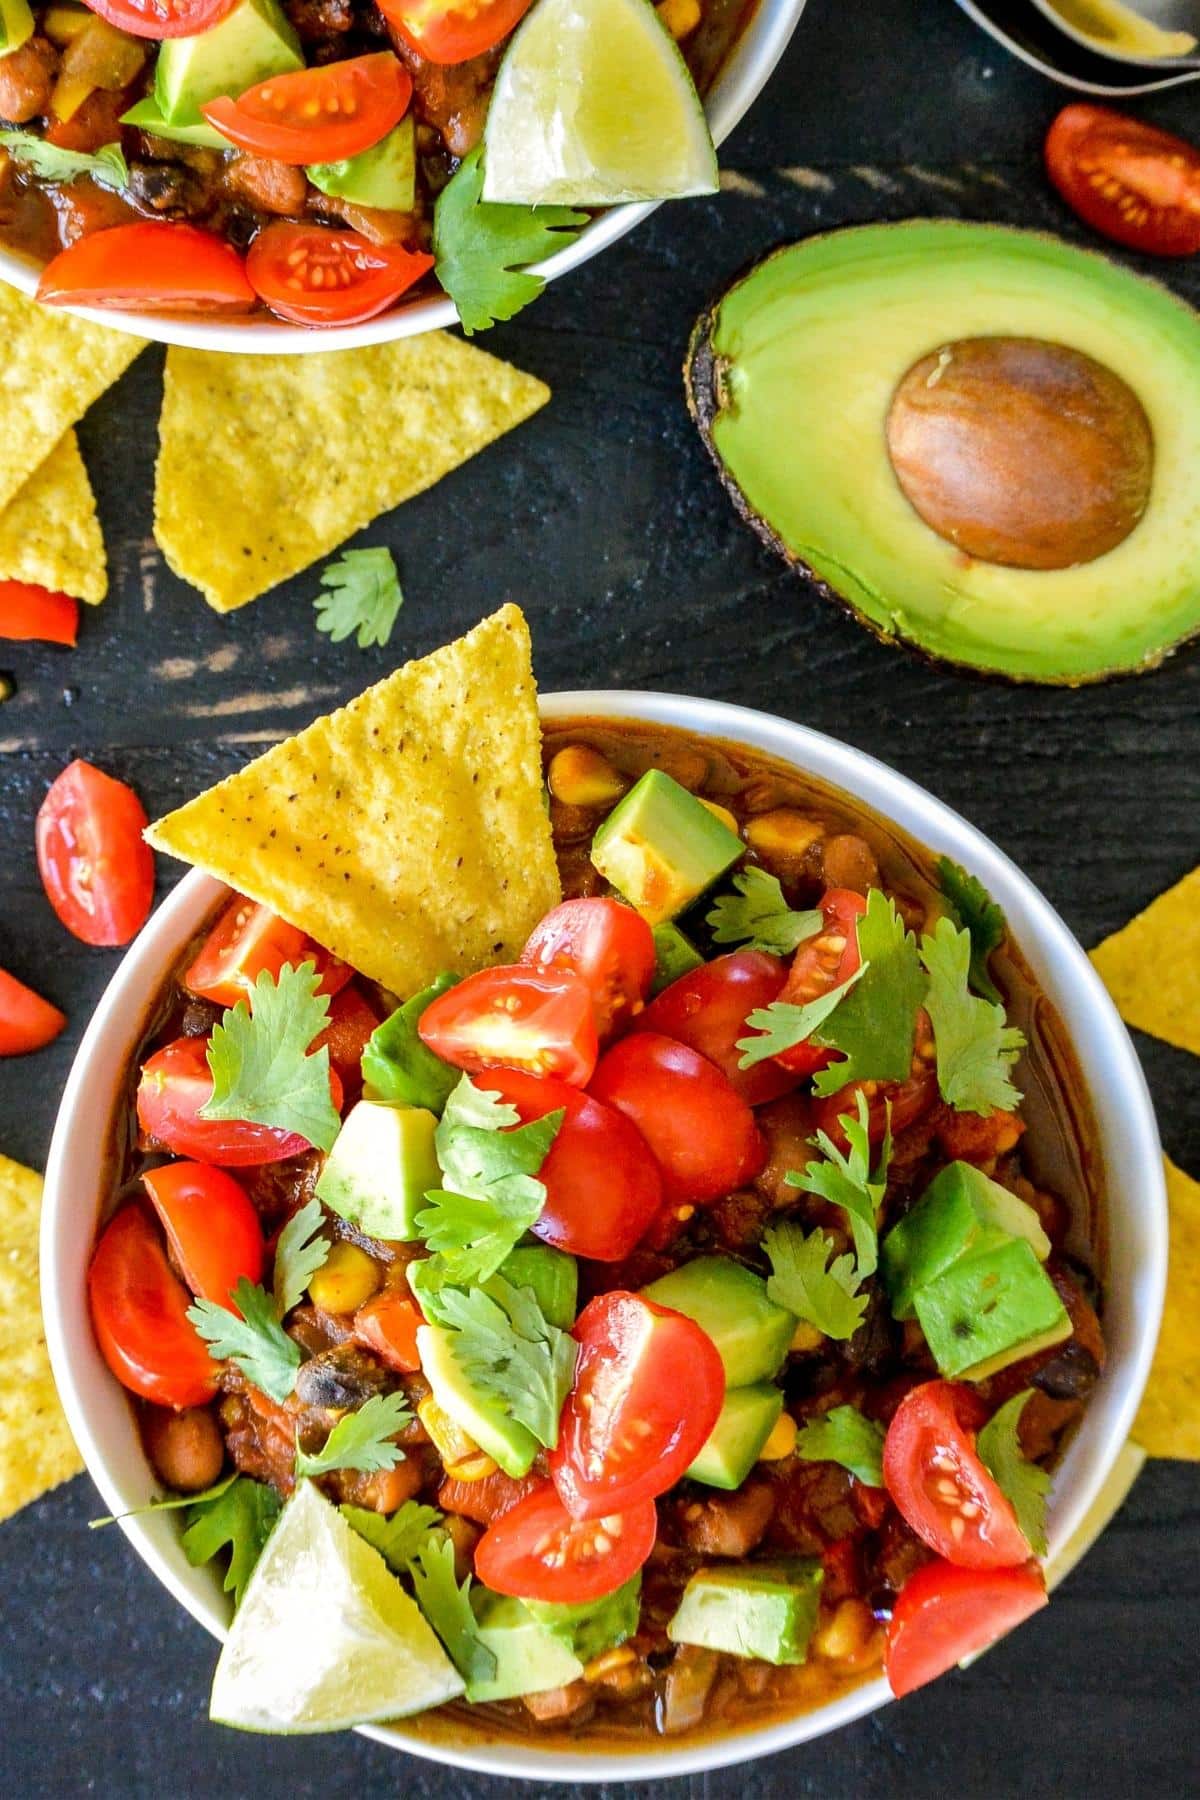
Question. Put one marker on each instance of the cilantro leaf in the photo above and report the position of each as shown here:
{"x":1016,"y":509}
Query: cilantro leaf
{"x":805,"y":1283}
{"x":362,"y":1439}
{"x":1023,"y":1484}
{"x":398,"y":1537}
{"x":504,"y":1344}
{"x":166,"y":1505}
{"x":256,"y":1342}
{"x":483,"y":250}
{"x":401,"y":1070}
{"x":239,"y":1518}
{"x":783,"y":1025}
{"x":261,"y":1068}
{"x":848,"y":1181}
{"x":447,"y":1606}
{"x":975,"y":1048}
{"x":50,"y":162}
{"x":979,"y":914}
{"x":843,"y":1435}
{"x":759,"y":916}
{"x":364,"y":596}
{"x":299,"y":1253}
{"x":875,"y":1025}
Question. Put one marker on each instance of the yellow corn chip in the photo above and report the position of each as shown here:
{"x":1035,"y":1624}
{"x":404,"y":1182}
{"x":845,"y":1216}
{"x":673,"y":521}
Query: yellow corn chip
{"x":53,"y":366}
{"x":49,"y":532}
{"x":406,"y":832}
{"x":36,"y":1449}
{"x":266,"y":463}
{"x":1168,"y":1421}
{"x":1151,"y":967}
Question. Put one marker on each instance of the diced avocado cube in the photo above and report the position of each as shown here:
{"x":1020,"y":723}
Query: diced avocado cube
{"x":505,"y":1440}
{"x":145,"y":116}
{"x":767,"y":1611}
{"x":990,"y":1310}
{"x":382,"y":1165}
{"x":529,"y":1659}
{"x":384,"y":175}
{"x":675,"y":955}
{"x":745,"y":1423}
{"x":16,"y":25}
{"x":553,"y":1276}
{"x":593,"y":1626}
{"x":398,"y":1067}
{"x":730,"y":1303}
{"x":249,"y":44}
{"x":661,"y":848}
{"x":961,"y":1212}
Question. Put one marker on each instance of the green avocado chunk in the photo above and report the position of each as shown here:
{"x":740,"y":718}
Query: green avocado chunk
{"x":730,"y":1303}
{"x":675,"y":955}
{"x":252,"y":42}
{"x":529,"y":1659}
{"x":145,"y":116}
{"x":384,"y":175}
{"x":382,"y":1165}
{"x":745,"y":1423}
{"x":505,"y":1440}
{"x":961,"y":1212}
{"x":16,"y":25}
{"x":553,"y":1276}
{"x":593,"y":1626}
{"x":661,"y":848}
{"x":765,"y":1610}
{"x":990,"y":1310}
{"x":398,"y":1066}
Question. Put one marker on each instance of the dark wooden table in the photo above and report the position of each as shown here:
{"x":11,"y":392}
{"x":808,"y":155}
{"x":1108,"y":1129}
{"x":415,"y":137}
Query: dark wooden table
{"x":603,"y":518}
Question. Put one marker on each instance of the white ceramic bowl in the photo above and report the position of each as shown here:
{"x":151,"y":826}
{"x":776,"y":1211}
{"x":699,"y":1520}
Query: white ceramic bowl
{"x":742,"y":78}
{"x":102,"y":1421}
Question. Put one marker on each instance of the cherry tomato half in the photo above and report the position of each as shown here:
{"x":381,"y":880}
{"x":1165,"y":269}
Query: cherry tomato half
{"x":944,"y":1614}
{"x":515,"y":1018}
{"x":941,"y":1488}
{"x":154,"y":265}
{"x":609,"y":946}
{"x":27,"y":1022}
{"x":317,"y":115}
{"x":453,"y":31}
{"x":28,"y":611}
{"x":139,"y":1314}
{"x":96,"y":868}
{"x":162,"y":18}
{"x":176,"y":1082}
{"x":318,"y":277}
{"x":211,"y":1227}
{"x":707,"y":1009}
{"x":821,"y":964}
{"x":248,"y":938}
{"x":1129,"y":181}
{"x":900,"y":1102}
{"x":537,"y":1551}
{"x":649,"y":1386}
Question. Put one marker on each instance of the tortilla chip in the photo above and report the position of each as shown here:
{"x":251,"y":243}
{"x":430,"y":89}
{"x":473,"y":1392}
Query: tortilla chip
{"x":1168,"y":1421}
{"x":266,"y":463}
{"x":49,"y":532}
{"x":1151,"y":967}
{"x":407,"y":832}
{"x":52,"y":368}
{"x":36,"y":1449}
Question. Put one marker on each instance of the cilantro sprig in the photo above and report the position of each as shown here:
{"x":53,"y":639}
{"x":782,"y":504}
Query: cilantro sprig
{"x":238,"y":1517}
{"x":256,"y":1342}
{"x":398,"y":1536}
{"x":875,"y":1025}
{"x":977,"y":913}
{"x":783,"y":1025}
{"x":975,"y":1048}
{"x":509,"y":1352}
{"x":361,"y":1440}
{"x":50,"y":162}
{"x":845,"y":1435}
{"x":413,"y":1543}
{"x":363,"y":595}
{"x":483,"y":250}
{"x":1023,"y":1483}
{"x":847,"y":1180}
{"x":758,"y":916}
{"x":804,"y":1281}
{"x":299,"y":1252}
{"x":264,"y":1069}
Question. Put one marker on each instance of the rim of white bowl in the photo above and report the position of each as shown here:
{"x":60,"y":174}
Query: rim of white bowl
{"x":101,"y":1419}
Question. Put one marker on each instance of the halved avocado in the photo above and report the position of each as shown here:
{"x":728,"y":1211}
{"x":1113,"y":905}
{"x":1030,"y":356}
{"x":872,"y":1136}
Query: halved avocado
{"x":982,"y":440}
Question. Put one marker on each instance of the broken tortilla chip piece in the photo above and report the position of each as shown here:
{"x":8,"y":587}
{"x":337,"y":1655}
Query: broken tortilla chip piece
{"x":407,"y":833}
{"x":266,"y":463}
{"x":49,"y":532}
{"x":1151,"y":967}
{"x":36,"y":1448}
{"x":1168,"y":1421}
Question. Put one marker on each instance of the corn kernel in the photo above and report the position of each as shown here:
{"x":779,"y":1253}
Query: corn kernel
{"x":723,"y":813}
{"x":70,"y":92}
{"x":63,"y":23}
{"x":782,"y":1440}
{"x":345,"y":1281}
{"x":680,"y":17}
{"x":609,"y":1662}
{"x":580,"y":776}
{"x":475,"y":1467}
{"x":806,"y":1337}
{"x":845,"y":1633}
{"x":783,"y":832}
{"x":449,"y":1440}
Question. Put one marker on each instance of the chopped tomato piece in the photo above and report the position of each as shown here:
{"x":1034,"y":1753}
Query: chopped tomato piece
{"x":977,"y":1137}
{"x":939,"y":1484}
{"x":96,"y":868}
{"x":515,"y":1018}
{"x":176,"y":1083}
{"x":707,"y":1008}
{"x":609,"y":946}
{"x":453,"y":31}
{"x":945,"y":1614}
{"x":155,"y":265}
{"x":211,"y":1227}
{"x":351,"y":1023}
{"x":29,"y":611}
{"x":819,"y":965}
{"x":314,"y":276}
{"x":485,"y":1500}
{"x":537,"y":1551}
{"x":27,"y":1022}
{"x":1127,"y":179}
{"x":388,"y":1325}
{"x":162,"y":18}
{"x":317,"y":115}
{"x":139,"y":1314}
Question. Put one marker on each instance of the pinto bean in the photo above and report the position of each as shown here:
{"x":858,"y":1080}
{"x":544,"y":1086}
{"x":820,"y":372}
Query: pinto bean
{"x":186,"y":1447}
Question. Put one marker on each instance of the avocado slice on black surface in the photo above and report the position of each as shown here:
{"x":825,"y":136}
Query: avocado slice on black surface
{"x":982,"y":440}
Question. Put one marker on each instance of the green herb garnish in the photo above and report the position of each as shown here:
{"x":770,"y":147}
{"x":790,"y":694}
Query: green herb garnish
{"x":262,"y":1069}
{"x":483,"y":250}
{"x":975,"y":1048}
{"x":758,"y":916}
{"x":362,"y":1439}
{"x":239,"y":1518}
{"x":256,"y":1342}
{"x":979,"y":914}
{"x":50,"y":162}
{"x":364,"y":596}
{"x":844,"y":1435}
{"x":1023,"y":1483}
{"x":804,"y":1282}
{"x":849,"y":1182}
{"x":299,"y":1252}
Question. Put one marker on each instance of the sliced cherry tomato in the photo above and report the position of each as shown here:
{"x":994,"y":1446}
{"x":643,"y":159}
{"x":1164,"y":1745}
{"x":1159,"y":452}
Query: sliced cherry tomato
{"x":96,"y":868}
{"x":27,"y":1022}
{"x":537,"y":1551}
{"x":211,"y":1227}
{"x":248,"y":938}
{"x":903,"y":1102}
{"x":700,"y":1130}
{"x":351,"y":1023}
{"x":29,"y":611}
{"x":707,"y":1009}
{"x":453,"y":31}
{"x":821,"y":964}
{"x":649,"y":1386}
{"x":319,"y":277}
{"x":154,"y":265}
{"x":1129,"y":181}
{"x":139,"y":1314}
{"x":317,"y":115}
{"x":162,"y":18}
{"x":608,"y":945}
{"x":603,"y":1186}
{"x":176,"y":1083}
{"x":388,"y":1325}
{"x":943,"y":1492}
{"x":515,"y":1018}
{"x":944,"y":1614}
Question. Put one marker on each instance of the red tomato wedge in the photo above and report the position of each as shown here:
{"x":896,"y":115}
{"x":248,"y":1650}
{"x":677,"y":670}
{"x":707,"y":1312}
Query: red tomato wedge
{"x":821,"y":964}
{"x":318,"y":277}
{"x":248,"y":938}
{"x":139,"y":1314}
{"x":1129,"y":181}
{"x":443,"y":31}
{"x":176,"y":1083}
{"x":537,"y":1551}
{"x":388,"y":1325}
{"x":707,"y":1009}
{"x":515,"y":1018}
{"x":211,"y":1227}
{"x":609,"y":946}
{"x":944,"y":1614}
{"x":154,"y":265}
{"x":96,"y":868}
{"x":27,"y":1022}
{"x":941,"y":1488}
{"x":649,"y":1386}
{"x":162,"y":18}
{"x":603,"y":1186}
{"x":29,"y":611}
{"x":317,"y":115}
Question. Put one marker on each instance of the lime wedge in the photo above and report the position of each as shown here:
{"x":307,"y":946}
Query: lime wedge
{"x":325,"y":1636}
{"x":594,"y":105}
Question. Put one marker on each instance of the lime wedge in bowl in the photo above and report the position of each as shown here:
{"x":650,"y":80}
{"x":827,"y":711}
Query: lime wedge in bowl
{"x":325,"y":1636}
{"x":594,"y":105}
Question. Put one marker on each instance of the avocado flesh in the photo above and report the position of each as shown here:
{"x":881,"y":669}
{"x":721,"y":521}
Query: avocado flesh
{"x":991,"y":1309}
{"x":734,"y":1445}
{"x":730,"y":1304}
{"x":961,"y":1212}
{"x":528,"y":1658}
{"x":249,"y":45}
{"x":16,"y":25}
{"x":382,"y":1165}
{"x":505,"y":1439}
{"x":791,"y":377}
{"x":763,"y":1610}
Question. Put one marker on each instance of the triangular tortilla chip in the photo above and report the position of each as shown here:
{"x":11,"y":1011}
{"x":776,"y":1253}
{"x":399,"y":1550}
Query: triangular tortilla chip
{"x":36,"y":1448}
{"x":49,"y":532}
{"x":266,"y":463}
{"x":1168,"y":1421}
{"x":1151,"y":967}
{"x":407,"y":832}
